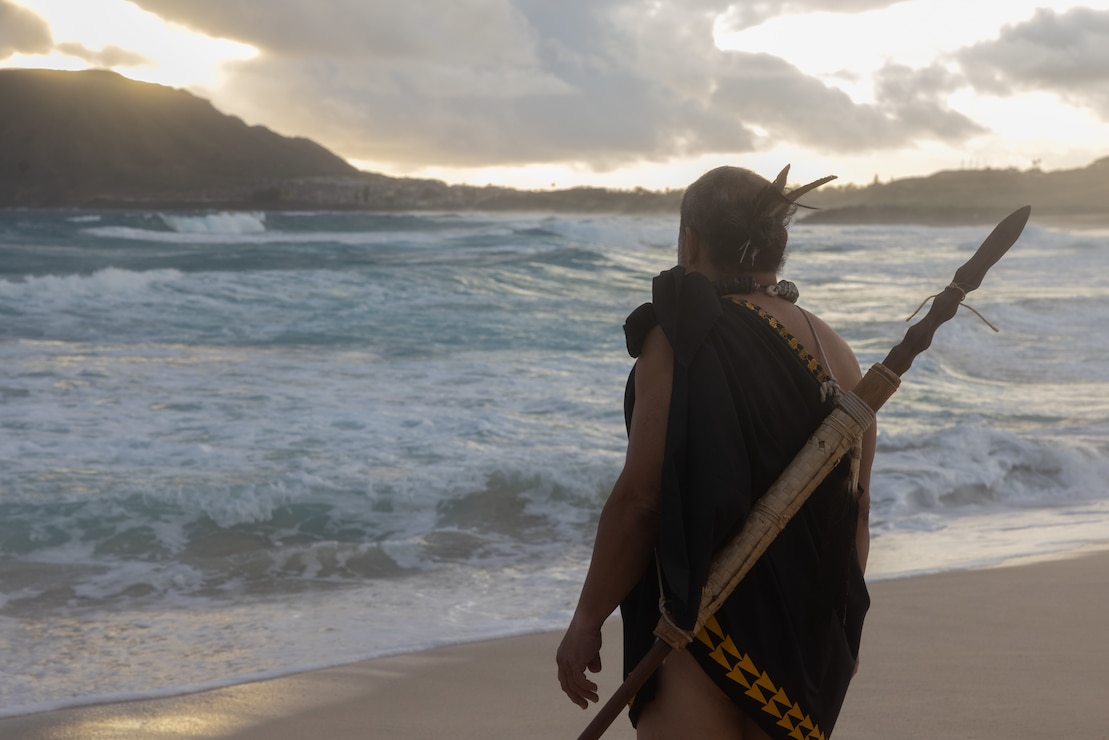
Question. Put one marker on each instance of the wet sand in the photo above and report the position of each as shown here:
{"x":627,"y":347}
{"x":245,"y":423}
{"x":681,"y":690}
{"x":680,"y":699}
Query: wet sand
{"x":1011,"y":652}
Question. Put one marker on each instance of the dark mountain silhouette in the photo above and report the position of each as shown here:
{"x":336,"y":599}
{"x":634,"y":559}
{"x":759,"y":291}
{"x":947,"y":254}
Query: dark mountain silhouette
{"x":83,"y":138}
{"x":1078,"y":196}
{"x":96,"y":139}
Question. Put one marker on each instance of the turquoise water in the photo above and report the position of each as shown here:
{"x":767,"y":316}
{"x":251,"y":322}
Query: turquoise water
{"x":240,"y":444}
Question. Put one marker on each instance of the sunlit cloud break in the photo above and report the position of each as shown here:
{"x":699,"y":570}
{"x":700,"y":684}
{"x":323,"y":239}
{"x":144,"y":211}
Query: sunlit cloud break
{"x":618,"y":93}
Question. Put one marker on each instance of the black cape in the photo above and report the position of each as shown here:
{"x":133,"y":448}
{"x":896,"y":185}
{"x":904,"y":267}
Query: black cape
{"x":745,"y":398}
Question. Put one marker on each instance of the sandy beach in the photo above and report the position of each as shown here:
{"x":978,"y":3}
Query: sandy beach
{"x":1008,"y":652}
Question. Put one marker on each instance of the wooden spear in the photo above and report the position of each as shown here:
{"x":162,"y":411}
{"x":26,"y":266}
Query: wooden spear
{"x":838,"y":433}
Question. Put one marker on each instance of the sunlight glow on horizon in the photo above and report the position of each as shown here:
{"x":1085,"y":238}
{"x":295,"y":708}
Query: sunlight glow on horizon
{"x":837,"y":46}
{"x":669,"y":175}
{"x":177,"y":56}
{"x":846,"y":50}
{"x":842,"y":50}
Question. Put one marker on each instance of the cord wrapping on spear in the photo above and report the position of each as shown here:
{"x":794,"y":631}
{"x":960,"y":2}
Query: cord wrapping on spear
{"x":854,"y":412}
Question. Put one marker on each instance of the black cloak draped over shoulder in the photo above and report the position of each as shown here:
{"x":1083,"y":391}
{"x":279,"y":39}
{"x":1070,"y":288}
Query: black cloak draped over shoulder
{"x":745,"y":398}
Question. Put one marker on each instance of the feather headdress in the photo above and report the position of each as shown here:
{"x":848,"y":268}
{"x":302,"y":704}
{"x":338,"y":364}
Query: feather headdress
{"x":761,"y":224}
{"x":773,"y":201}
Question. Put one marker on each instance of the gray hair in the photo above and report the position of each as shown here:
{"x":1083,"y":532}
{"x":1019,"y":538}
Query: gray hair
{"x":740,"y":218}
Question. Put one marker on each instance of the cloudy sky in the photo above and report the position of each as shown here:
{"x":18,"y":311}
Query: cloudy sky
{"x":618,"y":93}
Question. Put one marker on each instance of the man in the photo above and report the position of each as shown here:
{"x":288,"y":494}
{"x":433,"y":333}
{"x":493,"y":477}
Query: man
{"x":730,"y":380}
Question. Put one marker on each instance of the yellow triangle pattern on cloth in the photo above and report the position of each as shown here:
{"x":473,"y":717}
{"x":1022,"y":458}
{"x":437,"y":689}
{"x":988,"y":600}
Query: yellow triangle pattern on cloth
{"x":760,"y":687}
{"x":794,"y":344}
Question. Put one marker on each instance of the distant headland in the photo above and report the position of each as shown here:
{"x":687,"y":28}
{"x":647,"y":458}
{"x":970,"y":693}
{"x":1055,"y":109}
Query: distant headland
{"x":95,"y":139}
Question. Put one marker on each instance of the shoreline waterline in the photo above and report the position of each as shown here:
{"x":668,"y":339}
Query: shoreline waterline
{"x":928,"y":637}
{"x":1090,"y":549}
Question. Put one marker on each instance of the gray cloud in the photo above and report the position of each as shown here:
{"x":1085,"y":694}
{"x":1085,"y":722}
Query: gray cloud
{"x":22,"y":31}
{"x":912,"y":96}
{"x":463,"y":31}
{"x":742,"y":15}
{"x":1067,"y":53}
{"x":802,"y":109}
{"x":500,"y":82}
{"x":108,"y":57}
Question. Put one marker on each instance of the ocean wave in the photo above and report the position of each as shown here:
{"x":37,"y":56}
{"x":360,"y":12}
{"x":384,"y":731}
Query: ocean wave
{"x":226,"y":222}
{"x":197,"y":543}
{"x":969,"y":467}
{"x":111,"y":281}
{"x":414,"y":419}
{"x":190,"y":539}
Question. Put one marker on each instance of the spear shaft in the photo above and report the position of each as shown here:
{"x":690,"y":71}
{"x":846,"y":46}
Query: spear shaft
{"x":854,"y":413}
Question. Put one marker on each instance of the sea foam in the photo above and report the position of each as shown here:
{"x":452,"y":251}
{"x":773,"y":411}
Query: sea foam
{"x":232,"y":441}
{"x":216,"y":223}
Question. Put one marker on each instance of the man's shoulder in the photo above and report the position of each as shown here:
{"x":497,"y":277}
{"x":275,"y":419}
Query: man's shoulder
{"x":845,"y":366}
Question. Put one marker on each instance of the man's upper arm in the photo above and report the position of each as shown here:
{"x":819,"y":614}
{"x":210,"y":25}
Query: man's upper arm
{"x":654,"y":373}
